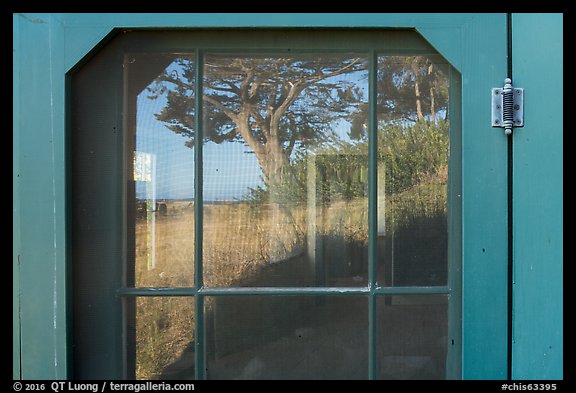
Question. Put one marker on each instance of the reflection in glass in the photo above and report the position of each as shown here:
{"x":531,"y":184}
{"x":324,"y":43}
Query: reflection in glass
{"x":163,"y":175}
{"x":412,"y":170}
{"x":287,"y":337}
{"x":285,"y":168}
{"x":412,"y":336}
{"x":164,"y":335}
{"x":284,"y":185}
{"x":293,"y":189}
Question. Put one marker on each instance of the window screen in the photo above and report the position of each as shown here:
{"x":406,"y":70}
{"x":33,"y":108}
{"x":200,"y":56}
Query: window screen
{"x":265,"y":205}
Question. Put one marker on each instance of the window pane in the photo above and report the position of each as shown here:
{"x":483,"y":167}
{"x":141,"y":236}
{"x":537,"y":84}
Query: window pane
{"x":412,"y":170}
{"x":163,"y":169}
{"x":285,"y":183}
{"x":164,"y":337}
{"x":287,"y":337}
{"x":412,"y":336}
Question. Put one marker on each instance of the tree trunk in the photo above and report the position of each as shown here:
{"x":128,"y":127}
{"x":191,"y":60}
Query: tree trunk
{"x":276,"y":159}
{"x":270,"y":156}
{"x":418,"y":100}
{"x":432,"y":98}
{"x":417,"y":92}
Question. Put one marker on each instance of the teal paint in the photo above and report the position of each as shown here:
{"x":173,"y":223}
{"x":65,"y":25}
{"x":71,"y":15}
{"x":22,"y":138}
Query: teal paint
{"x":454,"y":355}
{"x":52,"y":44}
{"x":442,"y":39}
{"x":372,"y":214}
{"x":198,"y":173}
{"x":60,"y":199}
{"x":16,"y":201}
{"x":537,"y":45}
{"x":85,"y":31}
{"x":41,"y":198}
{"x":281,"y":291}
{"x":199,"y":351}
{"x":199,"y":344}
{"x":484,"y":203}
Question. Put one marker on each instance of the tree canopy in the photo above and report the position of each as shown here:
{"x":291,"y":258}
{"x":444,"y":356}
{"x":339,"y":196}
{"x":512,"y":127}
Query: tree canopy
{"x":272,"y":104}
{"x":410,"y":89}
{"x":280,"y":105}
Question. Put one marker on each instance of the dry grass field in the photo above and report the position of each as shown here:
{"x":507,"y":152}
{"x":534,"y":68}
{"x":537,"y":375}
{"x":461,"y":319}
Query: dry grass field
{"x":239,"y":241}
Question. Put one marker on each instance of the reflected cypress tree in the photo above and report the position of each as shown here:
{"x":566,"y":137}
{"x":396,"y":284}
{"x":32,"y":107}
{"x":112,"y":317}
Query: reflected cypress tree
{"x":274,"y":105}
{"x":282,"y":108}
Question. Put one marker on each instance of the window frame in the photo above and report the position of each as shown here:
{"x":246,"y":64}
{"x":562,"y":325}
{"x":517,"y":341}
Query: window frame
{"x":49,"y":47}
{"x":371,"y":43}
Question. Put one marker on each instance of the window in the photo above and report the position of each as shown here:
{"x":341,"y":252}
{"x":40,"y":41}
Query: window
{"x":300,"y":221}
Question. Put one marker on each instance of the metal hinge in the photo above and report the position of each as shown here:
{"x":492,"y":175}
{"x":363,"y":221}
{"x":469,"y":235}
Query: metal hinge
{"x":508,"y":107}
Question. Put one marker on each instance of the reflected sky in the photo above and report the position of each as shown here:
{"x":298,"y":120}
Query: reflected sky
{"x":230,"y":168}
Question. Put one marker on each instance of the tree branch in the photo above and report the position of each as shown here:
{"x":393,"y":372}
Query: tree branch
{"x":340,"y":71}
{"x":296,"y":88}
{"x":243,"y":93}
{"x":223,"y":89}
{"x":178,"y":82}
{"x":293,"y":93}
{"x":233,"y":116}
{"x":223,"y":137}
{"x":260,"y":121}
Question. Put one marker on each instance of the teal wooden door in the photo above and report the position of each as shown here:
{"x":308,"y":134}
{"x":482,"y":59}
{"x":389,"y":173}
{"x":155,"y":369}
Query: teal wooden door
{"x":538,"y":255}
{"x":475,"y":46}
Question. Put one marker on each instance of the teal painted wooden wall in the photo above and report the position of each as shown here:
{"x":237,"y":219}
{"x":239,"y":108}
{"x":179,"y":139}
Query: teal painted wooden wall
{"x":46,"y":46}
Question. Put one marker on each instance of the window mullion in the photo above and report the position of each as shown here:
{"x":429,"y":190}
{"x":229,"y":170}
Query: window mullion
{"x":283,"y":291}
{"x":198,"y":219}
{"x":372,"y":213}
